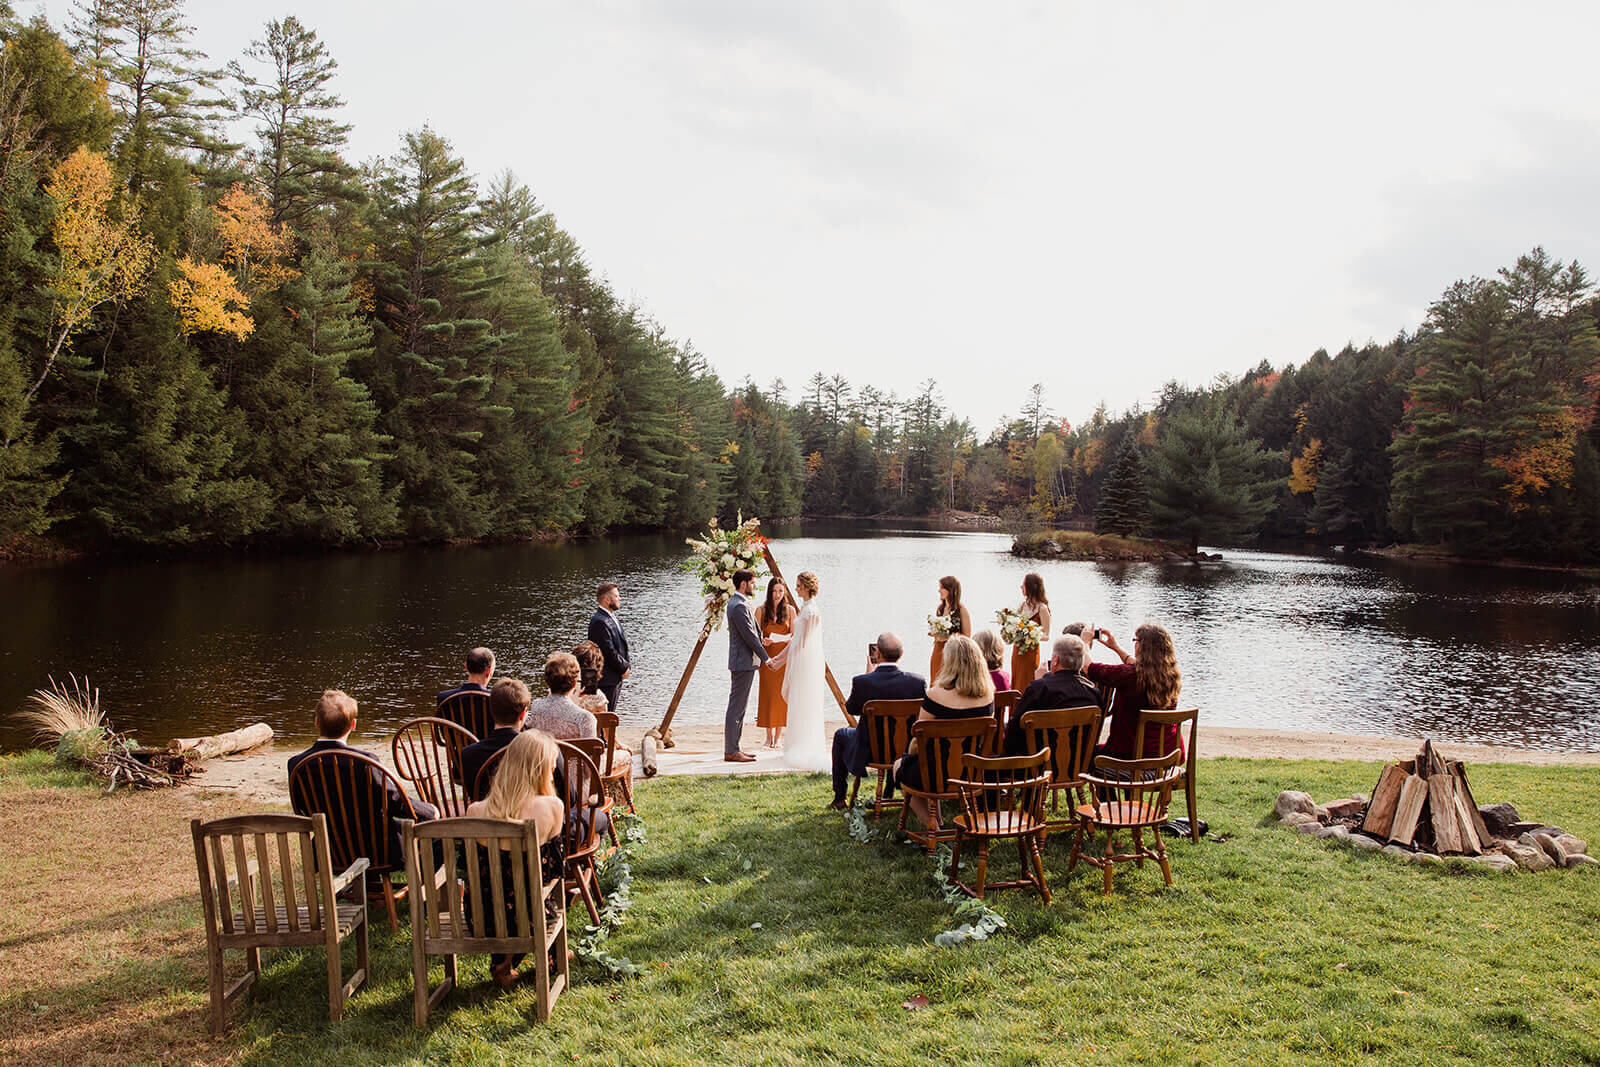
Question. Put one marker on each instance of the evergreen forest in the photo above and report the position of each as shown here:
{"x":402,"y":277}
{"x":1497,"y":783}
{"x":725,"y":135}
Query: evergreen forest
{"x":213,"y":344}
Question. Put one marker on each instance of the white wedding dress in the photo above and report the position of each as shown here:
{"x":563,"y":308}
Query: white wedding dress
{"x":805,"y":689}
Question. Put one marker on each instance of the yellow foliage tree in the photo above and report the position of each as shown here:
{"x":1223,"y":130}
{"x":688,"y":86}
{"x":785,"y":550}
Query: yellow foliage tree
{"x":1541,"y":460}
{"x":255,"y":249}
{"x":209,"y":301}
{"x":1306,"y":468}
{"x":102,"y":259}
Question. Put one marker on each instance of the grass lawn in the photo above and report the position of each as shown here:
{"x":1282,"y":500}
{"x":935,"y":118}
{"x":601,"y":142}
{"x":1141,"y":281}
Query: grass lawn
{"x":1270,"y":947}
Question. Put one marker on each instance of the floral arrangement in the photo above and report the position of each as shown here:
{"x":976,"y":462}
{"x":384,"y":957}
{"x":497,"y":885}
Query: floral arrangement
{"x":940,"y":627}
{"x":1022,"y":633}
{"x":717,"y":555}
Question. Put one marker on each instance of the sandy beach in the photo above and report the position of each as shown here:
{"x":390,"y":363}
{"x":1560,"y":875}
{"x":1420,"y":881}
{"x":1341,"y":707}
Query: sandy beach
{"x":260,"y":775}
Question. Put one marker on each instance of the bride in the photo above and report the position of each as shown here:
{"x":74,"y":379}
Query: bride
{"x":804,"y":687}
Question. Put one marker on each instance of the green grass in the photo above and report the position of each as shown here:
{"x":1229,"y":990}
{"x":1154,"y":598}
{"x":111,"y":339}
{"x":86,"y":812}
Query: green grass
{"x":1270,"y":947}
{"x":38,"y":769}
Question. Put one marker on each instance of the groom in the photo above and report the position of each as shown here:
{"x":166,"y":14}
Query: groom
{"x":745,"y":656}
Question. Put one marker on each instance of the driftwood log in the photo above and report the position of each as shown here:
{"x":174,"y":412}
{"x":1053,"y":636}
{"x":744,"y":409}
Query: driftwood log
{"x":647,"y":751}
{"x":223,"y":744}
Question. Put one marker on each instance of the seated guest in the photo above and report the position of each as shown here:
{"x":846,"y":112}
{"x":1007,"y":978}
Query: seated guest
{"x":590,"y":699}
{"x":480,"y":668}
{"x":336,"y":718}
{"x":508,"y":708}
{"x":884,"y":680}
{"x":524,"y":790}
{"x":556,"y":714}
{"x":994,"y":654}
{"x":1064,"y":687}
{"x":962,"y":691}
{"x":1147,"y":679}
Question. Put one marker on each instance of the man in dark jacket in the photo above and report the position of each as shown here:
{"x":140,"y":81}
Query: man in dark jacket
{"x":480,"y":668}
{"x":606,"y":632}
{"x":1066,"y":686}
{"x":886,"y":681}
{"x":508,"y":707}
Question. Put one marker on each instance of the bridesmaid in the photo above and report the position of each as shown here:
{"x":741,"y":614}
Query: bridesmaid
{"x":775,"y":619}
{"x":960,"y":619}
{"x":1035,"y":606}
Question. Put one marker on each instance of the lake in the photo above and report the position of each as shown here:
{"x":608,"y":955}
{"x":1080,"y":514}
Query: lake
{"x":1328,"y":643}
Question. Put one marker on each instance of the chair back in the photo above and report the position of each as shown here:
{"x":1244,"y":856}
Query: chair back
{"x":468,"y":710}
{"x":886,"y":724}
{"x":480,"y":787}
{"x":427,"y":753}
{"x":606,"y":723}
{"x":1005,"y":706}
{"x":265,"y":878}
{"x":594,"y":748}
{"x":1003,"y":796}
{"x":942,"y":744}
{"x":1069,"y":734}
{"x":1160,"y":720}
{"x":500,"y":907}
{"x":585,"y":796}
{"x":350,"y":789}
{"x":1133,"y":792}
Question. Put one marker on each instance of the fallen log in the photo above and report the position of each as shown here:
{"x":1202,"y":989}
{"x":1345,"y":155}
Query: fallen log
{"x":223,"y":744}
{"x":647,"y":752}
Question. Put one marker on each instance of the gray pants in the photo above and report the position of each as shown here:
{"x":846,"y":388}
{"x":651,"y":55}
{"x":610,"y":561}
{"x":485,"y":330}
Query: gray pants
{"x":738,"y":698}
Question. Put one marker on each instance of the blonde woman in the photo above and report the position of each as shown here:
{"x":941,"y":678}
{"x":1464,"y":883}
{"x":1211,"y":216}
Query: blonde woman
{"x":804,"y":683}
{"x":963,"y":690}
{"x":1147,"y":679}
{"x":994,"y":654}
{"x":524,"y":790}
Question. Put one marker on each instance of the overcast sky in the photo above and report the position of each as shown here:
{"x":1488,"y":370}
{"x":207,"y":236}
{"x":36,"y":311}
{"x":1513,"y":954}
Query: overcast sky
{"x":1097,"y":197}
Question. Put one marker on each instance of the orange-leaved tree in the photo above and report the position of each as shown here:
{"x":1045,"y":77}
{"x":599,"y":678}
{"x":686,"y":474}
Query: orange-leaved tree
{"x":215,"y":297}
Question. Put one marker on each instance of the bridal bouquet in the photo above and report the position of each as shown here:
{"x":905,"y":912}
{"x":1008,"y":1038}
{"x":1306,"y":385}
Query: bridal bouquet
{"x":716,"y":556}
{"x":940,"y":627}
{"x":1022,"y":634}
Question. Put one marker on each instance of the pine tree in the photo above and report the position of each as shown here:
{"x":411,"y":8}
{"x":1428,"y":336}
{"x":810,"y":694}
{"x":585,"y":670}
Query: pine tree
{"x":1208,"y":480}
{"x":1125,"y":500}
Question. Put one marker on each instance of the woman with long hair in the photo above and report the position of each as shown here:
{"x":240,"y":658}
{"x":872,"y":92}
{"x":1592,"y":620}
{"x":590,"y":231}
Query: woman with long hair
{"x":1036,"y":606}
{"x":961,"y":690}
{"x":994,"y":654}
{"x":776,"y":623}
{"x":960,"y":619}
{"x":523,"y":790}
{"x":1148,"y":679}
{"x":805,"y":687}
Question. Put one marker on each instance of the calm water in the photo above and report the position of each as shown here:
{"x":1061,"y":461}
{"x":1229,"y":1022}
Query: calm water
{"x":1266,"y":640}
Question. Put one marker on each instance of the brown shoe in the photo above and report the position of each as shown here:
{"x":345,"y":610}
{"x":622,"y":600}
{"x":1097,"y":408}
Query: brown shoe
{"x":838,"y":805}
{"x":738,"y":757}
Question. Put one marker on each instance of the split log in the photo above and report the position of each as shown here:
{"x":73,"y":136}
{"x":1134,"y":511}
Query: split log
{"x":1442,"y":811}
{"x":1413,"y":795}
{"x":1471,"y":843}
{"x":1385,"y":795}
{"x":1459,"y":771}
{"x":223,"y":744}
{"x":647,"y":753}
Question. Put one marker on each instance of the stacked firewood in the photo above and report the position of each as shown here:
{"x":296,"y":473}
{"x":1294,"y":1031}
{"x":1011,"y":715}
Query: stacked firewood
{"x":1425,"y":803}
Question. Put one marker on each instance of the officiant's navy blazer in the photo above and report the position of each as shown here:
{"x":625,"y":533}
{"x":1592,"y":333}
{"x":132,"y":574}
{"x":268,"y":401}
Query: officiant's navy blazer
{"x":606,"y":632}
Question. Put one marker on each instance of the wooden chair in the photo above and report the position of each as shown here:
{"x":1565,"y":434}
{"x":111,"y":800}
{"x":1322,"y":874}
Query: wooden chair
{"x":595,"y":749}
{"x":941,"y":746}
{"x":1127,"y":795}
{"x":480,"y":788}
{"x":886,"y":726}
{"x":452,"y":911}
{"x":287,"y":895}
{"x":1070,"y":735}
{"x":349,"y":788}
{"x":468,"y":710}
{"x":1003,"y":797}
{"x":617,"y":778}
{"x":582,"y":840}
{"x":1177,"y":719}
{"x":1005,"y":706}
{"x":427,"y":753}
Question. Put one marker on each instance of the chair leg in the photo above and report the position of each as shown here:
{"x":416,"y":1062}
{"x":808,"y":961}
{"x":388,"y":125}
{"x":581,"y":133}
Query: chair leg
{"x":388,"y":905}
{"x":1194,"y":822}
{"x":627,"y":793}
{"x":1077,"y":847}
{"x":335,"y":972}
{"x":1110,"y":858}
{"x":955,"y":857}
{"x":584,"y":891}
{"x":419,"y":980}
{"x":983,"y":864}
{"x":1036,"y":848}
{"x":363,"y":954}
{"x":1161,"y":856}
{"x":1138,"y":846}
{"x":219,"y":1002}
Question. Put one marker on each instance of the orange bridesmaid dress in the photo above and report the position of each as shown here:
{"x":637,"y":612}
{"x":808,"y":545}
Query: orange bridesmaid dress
{"x":936,"y":660}
{"x":1024,"y":664}
{"x":771,"y":710}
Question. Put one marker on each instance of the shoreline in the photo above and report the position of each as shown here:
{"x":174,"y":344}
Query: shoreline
{"x":260,"y":776}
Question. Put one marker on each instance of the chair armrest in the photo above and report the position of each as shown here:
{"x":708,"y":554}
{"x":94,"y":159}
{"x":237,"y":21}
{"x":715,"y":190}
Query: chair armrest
{"x":351,"y":873}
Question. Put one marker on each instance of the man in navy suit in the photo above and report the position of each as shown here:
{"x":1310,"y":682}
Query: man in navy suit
{"x":508,"y":708}
{"x":606,"y":632}
{"x":746,"y":654}
{"x":480,"y":668}
{"x":886,"y":681}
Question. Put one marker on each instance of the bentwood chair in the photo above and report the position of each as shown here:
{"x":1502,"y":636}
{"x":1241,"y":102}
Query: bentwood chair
{"x":941,"y":746}
{"x":1069,"y":734}
{"x":477,"y":888}
{"x":1002,"y":797}
{"x":595,"y":749}
{"x":581,"y":836}
{"x":886,"y":727}
{"x":480,"y":787}
{"x":281,"y":892}
{"x":1005,"y":706}
{"x":1176,"y":719}
{"x":1131,"y":795}
{"x":468,"y":710}
{"x":358,"y":796}
{"x":617,"y":771}
{"x":427,"y":753}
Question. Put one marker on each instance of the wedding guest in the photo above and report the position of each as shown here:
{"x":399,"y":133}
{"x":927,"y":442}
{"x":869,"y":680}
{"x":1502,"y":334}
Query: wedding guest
{"x":606,"y":632}
{"x":961,"y":691}
{"x":336,"y":718}
{"x":775,"y":621}
{"x":1036,"y":606}
{"x":480,"y":668}
{"x":884,"y":680}
{"x":556,"y":714}
{"x":1064,"y":686}
{"x":1147,"y":679}
{"x":590,"y":699}
{"x":524,"y":790}
{"x":508,"y":709}
{"x":958,"y":613}
{"x":994,"y":654}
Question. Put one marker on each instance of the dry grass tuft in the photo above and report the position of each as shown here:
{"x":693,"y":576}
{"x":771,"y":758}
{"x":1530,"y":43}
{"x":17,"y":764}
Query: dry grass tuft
{"x":58,"y":711}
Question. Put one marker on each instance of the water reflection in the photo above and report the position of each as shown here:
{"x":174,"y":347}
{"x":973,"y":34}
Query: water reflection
{"x":1299,"y":642}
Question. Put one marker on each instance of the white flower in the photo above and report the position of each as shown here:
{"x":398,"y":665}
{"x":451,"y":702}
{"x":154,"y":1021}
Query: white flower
{"x":727,"y":559}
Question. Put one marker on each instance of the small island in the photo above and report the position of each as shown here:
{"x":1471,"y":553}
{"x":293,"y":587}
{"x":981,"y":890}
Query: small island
{"x":1081,"y":544}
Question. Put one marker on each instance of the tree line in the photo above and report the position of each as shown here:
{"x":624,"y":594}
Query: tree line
{"x":208,"y":343}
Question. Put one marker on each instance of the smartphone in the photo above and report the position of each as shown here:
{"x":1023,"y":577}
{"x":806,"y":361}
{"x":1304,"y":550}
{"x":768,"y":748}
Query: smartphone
{"x":872,"y":650}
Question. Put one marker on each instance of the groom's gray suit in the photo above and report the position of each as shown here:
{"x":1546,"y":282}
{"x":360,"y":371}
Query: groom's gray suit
{"x":745,"y":657}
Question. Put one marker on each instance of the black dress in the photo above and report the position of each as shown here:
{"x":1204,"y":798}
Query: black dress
{"x":552,"y":862}
{"x":911,"y":767}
